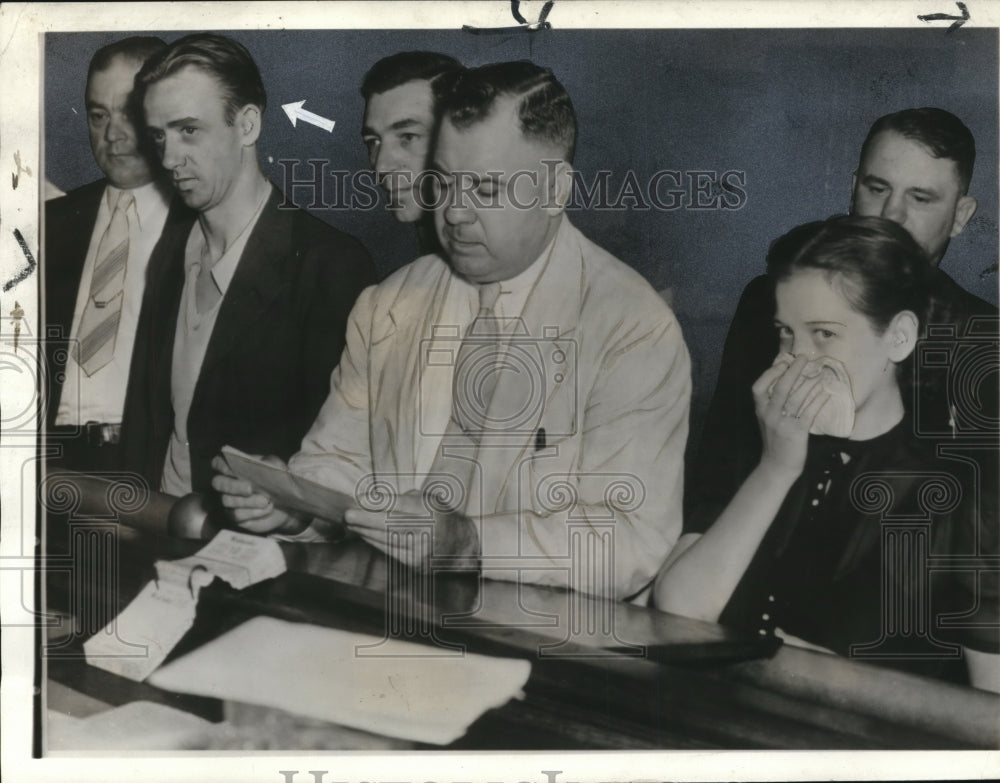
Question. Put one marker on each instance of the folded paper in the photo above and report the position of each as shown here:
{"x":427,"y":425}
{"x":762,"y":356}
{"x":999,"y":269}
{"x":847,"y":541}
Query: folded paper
{"x":138,"y":640}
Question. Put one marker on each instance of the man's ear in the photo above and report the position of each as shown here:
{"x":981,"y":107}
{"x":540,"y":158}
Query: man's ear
{"x":560,"y":186}
{"x":964,"y":211}
{"x":902,"y":335}
{"x":248,"y":121}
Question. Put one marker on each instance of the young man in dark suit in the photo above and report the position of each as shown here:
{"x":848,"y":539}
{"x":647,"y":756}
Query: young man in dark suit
{"x":100,"y":240}
{"x":247,"y":322}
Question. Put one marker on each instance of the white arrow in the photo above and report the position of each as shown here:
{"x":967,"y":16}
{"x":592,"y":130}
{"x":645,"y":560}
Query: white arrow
{"x":296,"y":112}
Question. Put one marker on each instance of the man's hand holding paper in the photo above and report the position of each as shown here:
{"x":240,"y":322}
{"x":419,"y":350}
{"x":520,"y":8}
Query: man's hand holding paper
{"x":263,"y":497}
{"x":251,"y":508}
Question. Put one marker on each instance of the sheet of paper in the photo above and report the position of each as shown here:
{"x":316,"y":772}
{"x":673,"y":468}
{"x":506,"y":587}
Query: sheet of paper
{"x":289,"y":490}
{"x":137,"y":641}
{"x":318,"y":672}
{"x":138,"y":725}
{"x":143,"y":634}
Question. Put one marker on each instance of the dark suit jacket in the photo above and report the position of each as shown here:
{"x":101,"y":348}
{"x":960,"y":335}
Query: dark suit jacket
{"x":731,"y":443}
{"x":69,"y":224}
{"x":278,"y":336}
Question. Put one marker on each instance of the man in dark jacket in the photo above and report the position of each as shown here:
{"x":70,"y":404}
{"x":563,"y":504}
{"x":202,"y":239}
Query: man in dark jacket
{"x":247,"y":322}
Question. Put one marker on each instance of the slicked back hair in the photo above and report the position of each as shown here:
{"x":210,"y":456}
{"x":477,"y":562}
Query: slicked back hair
{"x":398,"y":69}
{"x":940,"y":131}
{"x":545,"y":112}
{"x":136,"y":49}
{"x":226,"y":60}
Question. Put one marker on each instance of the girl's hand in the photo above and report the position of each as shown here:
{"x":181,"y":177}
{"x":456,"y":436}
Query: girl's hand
{"x":786,"y":409}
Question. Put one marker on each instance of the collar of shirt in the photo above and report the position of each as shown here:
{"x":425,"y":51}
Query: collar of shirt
{"x":513,"y":292}
{"x":150,"y":199}
{"x":223,"y":269}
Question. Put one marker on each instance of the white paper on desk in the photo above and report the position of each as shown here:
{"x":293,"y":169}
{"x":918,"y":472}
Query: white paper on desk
{"x":315,"y":672}
{"x":138,"y":640}
{"x":238,"y":558}
{"x":289,"y":490}
{"x":138,"y":725}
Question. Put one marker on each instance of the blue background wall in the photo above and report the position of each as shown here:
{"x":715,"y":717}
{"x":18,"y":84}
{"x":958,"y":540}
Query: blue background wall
{"x":789,"y":108}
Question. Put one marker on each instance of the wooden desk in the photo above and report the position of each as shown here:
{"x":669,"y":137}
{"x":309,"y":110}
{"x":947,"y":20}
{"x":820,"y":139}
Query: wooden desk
{"x":657,"y":681}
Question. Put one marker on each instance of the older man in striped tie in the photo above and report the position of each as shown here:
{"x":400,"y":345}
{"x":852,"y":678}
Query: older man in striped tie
{"x":99,"y":241}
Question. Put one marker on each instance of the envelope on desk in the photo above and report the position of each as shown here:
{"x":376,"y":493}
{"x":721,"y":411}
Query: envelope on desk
{"x":397,"y":689}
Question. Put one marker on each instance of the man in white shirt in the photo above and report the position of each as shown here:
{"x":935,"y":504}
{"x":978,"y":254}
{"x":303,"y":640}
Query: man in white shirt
{"x":99,"y":241}
{"x":525,"y":393}
{"x":247,"y":321}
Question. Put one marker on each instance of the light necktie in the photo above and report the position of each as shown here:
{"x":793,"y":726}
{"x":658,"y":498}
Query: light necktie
{"x":477,"y":366}
{"x":452,"y":474}
{"x":99,"y":325}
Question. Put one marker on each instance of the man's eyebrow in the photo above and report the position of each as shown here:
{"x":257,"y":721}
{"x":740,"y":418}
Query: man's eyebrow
{"x":92,"y":104}
{"x":181,"y":122}
{"x":871,"y":178}
{"x":406,"y":122}
{"x":822,"y":323}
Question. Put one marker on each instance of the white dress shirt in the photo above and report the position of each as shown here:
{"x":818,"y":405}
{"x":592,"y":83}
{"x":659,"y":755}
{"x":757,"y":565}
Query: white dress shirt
{"x":194,"y":330}
{"x":460,"y":307}
{"x":434,"y":403}
{"x":101,"y":396}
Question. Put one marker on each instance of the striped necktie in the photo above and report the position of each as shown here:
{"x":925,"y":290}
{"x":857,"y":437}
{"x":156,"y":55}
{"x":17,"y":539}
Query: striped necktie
{"x":99,"y":326}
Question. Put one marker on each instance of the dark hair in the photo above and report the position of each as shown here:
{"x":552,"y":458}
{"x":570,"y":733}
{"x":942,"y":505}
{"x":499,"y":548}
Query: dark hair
{"x":403,"y":67}
{"x":544,"y":109}
{"x":223,"y":58}
{"x":878,"y":267}
{"x":136,"y":49}
{"x":940,"y":131}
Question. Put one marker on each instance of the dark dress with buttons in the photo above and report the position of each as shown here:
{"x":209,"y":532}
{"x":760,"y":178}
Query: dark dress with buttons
{"x":884,"y":551}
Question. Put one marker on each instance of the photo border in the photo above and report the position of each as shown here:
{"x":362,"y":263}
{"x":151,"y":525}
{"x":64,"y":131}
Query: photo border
{"x":22,"y":27}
